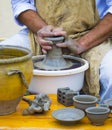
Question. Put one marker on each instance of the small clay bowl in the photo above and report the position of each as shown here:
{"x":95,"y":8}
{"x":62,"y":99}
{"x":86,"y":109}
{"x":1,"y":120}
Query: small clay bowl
{"x":84,"y":101}
{"x":108,"y":102}
{"x":97,"y":115}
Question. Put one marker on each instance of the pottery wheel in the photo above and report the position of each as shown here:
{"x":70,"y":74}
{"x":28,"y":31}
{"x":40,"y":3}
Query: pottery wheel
{"x":54,"y":59}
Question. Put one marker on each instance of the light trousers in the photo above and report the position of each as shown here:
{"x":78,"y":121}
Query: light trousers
{"x":106,"y":77}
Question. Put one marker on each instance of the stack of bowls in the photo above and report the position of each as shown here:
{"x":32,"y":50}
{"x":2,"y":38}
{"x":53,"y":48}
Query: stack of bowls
{"x":96,"y":114}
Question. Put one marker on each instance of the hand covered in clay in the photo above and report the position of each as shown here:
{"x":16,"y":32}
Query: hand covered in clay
{"x":48,"y":31}
{"x":72,"y":45}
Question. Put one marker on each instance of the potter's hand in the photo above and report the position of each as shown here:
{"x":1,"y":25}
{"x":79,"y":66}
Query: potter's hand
{"x":48,"y":31}
{"x":72,"y":45}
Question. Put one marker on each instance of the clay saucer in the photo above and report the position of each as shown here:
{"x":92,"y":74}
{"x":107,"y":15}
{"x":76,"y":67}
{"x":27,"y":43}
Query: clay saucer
{"x":68,"y":115}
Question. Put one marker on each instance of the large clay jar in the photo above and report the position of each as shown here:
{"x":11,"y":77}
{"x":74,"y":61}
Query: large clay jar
{"x":16,"y":70}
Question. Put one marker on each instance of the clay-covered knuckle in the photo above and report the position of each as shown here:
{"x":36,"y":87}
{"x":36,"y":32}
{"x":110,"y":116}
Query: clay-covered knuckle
{"x":42,"y":32}
{"x":72,"y":45}
{"x":50,"y":42}
{"x":69,"y":42}
{"x":49,"y":27}
{"x":39,"y":33}
{"x":46,"y":47}
{"x":81,"y":49}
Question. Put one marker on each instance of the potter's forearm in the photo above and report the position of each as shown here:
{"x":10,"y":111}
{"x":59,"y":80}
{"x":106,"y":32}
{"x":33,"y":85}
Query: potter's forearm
{"x":32,"y":20}
{"x":98,"y":34}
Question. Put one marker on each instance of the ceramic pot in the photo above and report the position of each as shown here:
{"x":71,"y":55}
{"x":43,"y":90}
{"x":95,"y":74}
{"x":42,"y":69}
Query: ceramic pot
{"x":84,"y":101}
{"x":16,"y":70}
{"x":97,"y":115}
{"x":108,"y":102}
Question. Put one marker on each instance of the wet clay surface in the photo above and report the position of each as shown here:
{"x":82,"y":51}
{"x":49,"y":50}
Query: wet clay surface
{"x":54,"y":59}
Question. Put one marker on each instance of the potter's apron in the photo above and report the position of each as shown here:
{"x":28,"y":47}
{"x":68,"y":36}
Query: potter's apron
{"x":76,"y":17}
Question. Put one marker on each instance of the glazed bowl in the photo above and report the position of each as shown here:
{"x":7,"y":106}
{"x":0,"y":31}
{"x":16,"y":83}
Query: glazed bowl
{"x":84,"y":101}
{"x":97,"y":115}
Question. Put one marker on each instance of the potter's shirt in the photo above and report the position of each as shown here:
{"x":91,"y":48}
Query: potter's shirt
{"x":19,"y":6}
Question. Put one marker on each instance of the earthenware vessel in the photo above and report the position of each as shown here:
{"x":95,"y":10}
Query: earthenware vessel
{"x":97,"y":115}
{"x":54,"y":59}
{"x":108,"y":102}
{"x":84,"y":101}
{"x":16,"y":69}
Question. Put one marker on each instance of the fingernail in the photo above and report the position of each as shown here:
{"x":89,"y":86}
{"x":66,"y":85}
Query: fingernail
{"x":50,"y":42}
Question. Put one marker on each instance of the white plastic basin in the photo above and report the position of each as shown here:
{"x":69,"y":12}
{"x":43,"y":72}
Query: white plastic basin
{"x":49,"y":81}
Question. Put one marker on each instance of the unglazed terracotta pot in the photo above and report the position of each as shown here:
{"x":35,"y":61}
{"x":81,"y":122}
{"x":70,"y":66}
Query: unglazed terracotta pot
{"x":16,"y":68}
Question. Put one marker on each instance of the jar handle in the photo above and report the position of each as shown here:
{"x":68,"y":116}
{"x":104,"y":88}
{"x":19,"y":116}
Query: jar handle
{"x":21,"y":75}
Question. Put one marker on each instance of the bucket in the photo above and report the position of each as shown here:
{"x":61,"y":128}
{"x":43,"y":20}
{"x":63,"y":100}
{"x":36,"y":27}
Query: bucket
{"x":16,"y":68}
{"x":45,"y":81}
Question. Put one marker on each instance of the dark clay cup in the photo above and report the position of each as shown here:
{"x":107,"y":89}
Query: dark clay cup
{"x":84,"y":101}
{"x":97,"y":115}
